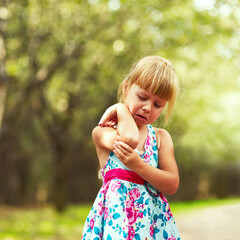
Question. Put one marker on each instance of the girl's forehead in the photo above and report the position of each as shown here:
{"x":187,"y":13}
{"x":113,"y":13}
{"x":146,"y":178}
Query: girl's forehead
{"x":136,"y":88}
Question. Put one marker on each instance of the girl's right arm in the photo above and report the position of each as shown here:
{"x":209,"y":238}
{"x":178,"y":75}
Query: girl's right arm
{"x":126,"y":131}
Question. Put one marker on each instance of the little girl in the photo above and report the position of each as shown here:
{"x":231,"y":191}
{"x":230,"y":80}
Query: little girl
{"x":137,"y":161}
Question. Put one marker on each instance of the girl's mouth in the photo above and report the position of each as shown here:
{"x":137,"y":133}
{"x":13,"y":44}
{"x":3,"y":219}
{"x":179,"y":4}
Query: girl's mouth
{"x":141,"y":117}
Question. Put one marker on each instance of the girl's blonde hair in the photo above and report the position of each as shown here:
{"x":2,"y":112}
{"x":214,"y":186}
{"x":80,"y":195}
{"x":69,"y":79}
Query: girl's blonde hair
{"x":156,"y":75}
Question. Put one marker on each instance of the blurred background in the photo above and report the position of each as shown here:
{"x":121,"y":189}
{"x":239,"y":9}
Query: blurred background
{"x":61,"y":62}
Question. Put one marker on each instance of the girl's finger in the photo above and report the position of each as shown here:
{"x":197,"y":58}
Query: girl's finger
{"x":119,"y":148}
{"x":125,"y":146}
{"x":118,"y":153}
{"x":104,"y":119}
{"x":109,"y":114}
{"x":112,"y":123}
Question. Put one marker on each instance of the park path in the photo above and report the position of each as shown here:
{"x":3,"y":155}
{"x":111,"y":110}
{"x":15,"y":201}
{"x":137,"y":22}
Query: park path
{"x":212,"y":223}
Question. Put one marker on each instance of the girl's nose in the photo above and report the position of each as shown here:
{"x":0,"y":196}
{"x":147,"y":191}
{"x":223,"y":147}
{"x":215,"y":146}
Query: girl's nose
{"x":147,"y":107}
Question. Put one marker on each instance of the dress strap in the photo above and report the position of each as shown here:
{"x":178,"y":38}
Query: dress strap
{"x":152,"y":133}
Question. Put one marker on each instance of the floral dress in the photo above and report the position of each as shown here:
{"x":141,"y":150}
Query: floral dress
{"x":128,"y":209}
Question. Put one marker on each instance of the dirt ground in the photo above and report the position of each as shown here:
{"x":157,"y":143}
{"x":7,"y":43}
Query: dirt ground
{"x":215,"y":223}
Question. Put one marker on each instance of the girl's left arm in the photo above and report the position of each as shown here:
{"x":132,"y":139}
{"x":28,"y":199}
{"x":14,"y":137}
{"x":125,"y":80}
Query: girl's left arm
{"x":166,"y":177}
{"x":168,"y":170}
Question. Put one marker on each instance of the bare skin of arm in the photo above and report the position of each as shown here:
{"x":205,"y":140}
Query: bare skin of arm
{"x":166,"y":179}
{"x":104,"y":135}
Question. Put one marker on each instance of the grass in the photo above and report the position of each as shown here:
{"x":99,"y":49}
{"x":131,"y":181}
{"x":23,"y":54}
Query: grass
{"x":45,"y":223}
{"x":183,"y":207}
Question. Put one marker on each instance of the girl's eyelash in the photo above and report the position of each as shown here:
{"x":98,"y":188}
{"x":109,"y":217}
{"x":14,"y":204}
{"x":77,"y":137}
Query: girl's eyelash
{"x":142,"y":98}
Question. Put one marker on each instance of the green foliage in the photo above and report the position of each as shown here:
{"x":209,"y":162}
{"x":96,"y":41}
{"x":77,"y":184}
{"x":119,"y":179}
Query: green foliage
{"x":45,"y":223}
{"x":190,"y":206}
{"x":62,"y":62}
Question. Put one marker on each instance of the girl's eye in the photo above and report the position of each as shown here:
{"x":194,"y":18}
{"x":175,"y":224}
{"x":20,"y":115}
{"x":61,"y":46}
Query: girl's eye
{"x":156,"y":105}
{"x":142,"y":98}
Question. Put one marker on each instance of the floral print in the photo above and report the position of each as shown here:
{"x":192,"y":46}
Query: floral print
{"x":126,"y":210}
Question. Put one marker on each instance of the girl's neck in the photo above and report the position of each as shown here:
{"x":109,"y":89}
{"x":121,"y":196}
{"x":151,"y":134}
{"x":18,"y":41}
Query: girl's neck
{"x":142,"y":127}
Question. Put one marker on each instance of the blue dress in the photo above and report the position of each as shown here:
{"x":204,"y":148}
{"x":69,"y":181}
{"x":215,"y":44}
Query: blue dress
{"x":127,"y":210}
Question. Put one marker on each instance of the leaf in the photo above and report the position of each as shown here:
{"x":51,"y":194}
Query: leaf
{"x":165,"y":234}
{"x":109,"y":237}
{"x":137,"y":237}
{"x":96,"y":230}
{"x":116,"y":215}
{"x":140,"y":200}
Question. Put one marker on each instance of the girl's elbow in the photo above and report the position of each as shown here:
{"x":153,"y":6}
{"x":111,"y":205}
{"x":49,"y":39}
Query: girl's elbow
{"x":173,"y":187}
{"x":132,"y":142}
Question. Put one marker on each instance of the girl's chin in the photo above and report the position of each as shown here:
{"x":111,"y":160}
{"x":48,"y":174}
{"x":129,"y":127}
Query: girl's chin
{"x":140,"y":120}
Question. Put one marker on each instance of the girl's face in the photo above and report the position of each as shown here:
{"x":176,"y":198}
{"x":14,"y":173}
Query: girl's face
{"x":144,"y":106}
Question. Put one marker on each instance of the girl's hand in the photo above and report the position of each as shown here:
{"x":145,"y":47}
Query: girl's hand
{"x":109,"y":118}
{"x":129,"y":157}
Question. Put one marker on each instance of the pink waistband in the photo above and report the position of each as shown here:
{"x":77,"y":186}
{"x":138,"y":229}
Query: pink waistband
{"x":123,"y":174}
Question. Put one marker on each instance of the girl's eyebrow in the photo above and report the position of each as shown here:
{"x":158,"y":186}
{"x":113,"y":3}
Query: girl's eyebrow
{"x":143,"y":91}
{"x":144,"y":94}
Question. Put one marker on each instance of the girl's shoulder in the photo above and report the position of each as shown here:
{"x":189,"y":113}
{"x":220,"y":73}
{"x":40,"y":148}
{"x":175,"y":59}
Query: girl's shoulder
{"x":163,"y":137}
{"x":161,"y":132}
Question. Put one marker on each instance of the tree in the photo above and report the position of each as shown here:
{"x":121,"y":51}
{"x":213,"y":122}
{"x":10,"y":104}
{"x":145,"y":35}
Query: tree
{"x":61,"y":63}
